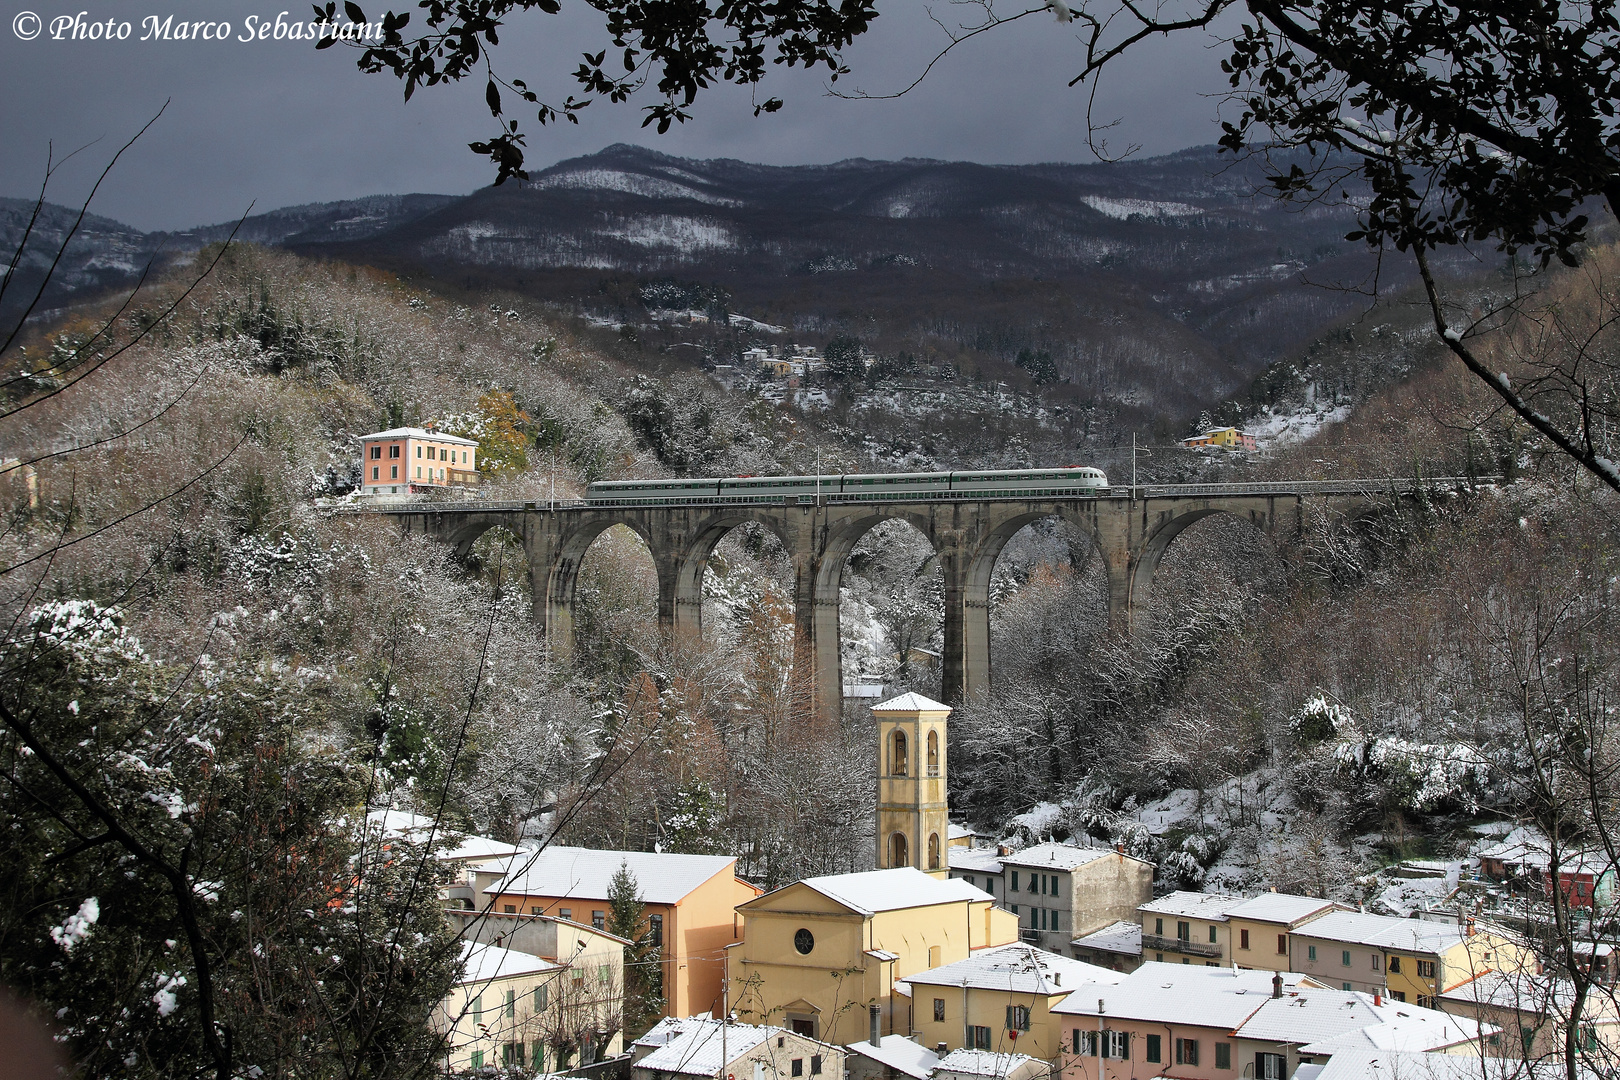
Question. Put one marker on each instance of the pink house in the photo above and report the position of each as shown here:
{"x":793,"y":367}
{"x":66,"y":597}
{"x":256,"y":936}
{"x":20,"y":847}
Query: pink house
{"x":408,"y":461}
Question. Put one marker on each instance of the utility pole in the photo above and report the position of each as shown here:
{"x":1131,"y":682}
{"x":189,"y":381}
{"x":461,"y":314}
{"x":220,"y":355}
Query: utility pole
{"x":1133,"y":464}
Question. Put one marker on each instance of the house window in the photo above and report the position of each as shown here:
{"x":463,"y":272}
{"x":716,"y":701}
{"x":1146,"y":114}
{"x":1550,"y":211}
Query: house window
{"x":656,"y":931}
{"x":939,"y":1010}
{"x":933,"y":753}
{"x":990,"y":885}
{"x":897,"y":756}
{"x":376,"y":452}
{"x":511,"y":1007}
{"x":1398,"y":995}
{"x":1394,"y":965}
{"x":1344,"y":958}
{"x":968,"y":878}
{"x":512,"y":1054}
{"x":443,"y":456}
{"x":1346,"y":986}
{"x":899,"y":854}
{"x":815,"y":1064}
{"x":599,"y":919}
{"x":798,"y":1066}
{"x":1117,"y":1045}
{"x":419,"y":450}
{"x":477,"y":1059}
{"x":1425,"y":969}
{"x":1223,"y":1055}
{"x":1311,"y":951}
{"x":542,"y":998}
{"x":565,"y":913}
{"x":1243,"y":939}
{"x":538,"y":1064}
{"x":933,"y":851}
{"x":393,"y":472}
{"x":1375,"y":961}
{"x":509,"y":909}
{"x":1014,"y":909}
{"x":1085,"y":1043}
{"x":1015,"y":881}
{"x":1212,"y":939}
{"x":1153,"y":1053}
{"x":1183,"y":931}
{"x":1158,"y":925}
{"x":476,"y":1007}
{"x":419,"y":472}
{"x":1018,"y":1018}
{"x":1270,"y":1066}
{"x":393,"y":451}
{"x":979,"y":1038}
{"x":1282,"y":944}
{"x":1186,"y":1051}
{"x":534,"y":909}
{"x":376,"y":472}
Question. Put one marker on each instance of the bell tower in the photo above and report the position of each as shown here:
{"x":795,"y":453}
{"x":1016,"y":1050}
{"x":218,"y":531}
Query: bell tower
{"x":913,"y":817}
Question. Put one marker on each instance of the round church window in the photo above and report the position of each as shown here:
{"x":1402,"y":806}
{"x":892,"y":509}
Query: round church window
{"x":804,"y":941}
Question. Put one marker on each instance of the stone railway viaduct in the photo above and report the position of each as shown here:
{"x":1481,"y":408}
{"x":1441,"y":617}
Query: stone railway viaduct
{"x":1131,"y":527}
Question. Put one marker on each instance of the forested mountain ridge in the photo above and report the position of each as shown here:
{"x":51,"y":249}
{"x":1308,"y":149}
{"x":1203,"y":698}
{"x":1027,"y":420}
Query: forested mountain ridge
{"x":1156,"y":287}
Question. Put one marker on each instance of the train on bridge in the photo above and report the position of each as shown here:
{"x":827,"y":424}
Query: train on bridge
{"x":851,"y":487}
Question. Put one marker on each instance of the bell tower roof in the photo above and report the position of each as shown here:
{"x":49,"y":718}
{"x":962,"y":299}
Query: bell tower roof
{"x":911,"y":702}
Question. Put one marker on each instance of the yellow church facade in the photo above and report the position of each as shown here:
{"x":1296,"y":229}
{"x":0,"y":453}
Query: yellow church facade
{"x":822,"y":956}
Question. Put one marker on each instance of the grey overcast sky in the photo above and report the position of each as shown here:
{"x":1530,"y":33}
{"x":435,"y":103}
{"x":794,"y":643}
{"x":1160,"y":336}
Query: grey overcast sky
{"x":277,"y":123}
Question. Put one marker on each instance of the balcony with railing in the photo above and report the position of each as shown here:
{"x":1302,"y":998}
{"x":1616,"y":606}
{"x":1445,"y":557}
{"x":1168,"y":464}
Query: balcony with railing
{"x":1156,"y":943}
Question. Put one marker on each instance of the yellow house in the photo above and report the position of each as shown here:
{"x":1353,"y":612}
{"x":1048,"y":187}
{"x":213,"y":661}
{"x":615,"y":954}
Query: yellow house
{"x":1533,"y":1012}
{"x":1260,"y":930}
{"x":823,"y":956}
{"x":1227,"y":438}
{"x":1188,"y":928}
{"x":999,"y":999}
{"x":1410,"y":959}
{"x":519,"y":1010}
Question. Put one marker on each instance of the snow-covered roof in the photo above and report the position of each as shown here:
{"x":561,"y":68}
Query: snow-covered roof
{"x":691,"y":1045}
{"x":1280,"y":908}
{"x":1120,"y":937}
{"x":872,"y":891}
{"x":900,"y":1054}
{"x":984,"y":860}
{"x":1017,"y":968}
{"x":419,"y":433}
{"x":1370,"y":1064}
{"x":1180,"y":994}
{"x":911,"y":701}
{"x":958,"y":832}
{"x":981,"y":1062}
{"x":1403,"y":1027}
{"x":449,"y":845}
{"x":1056,"y":856}
{"x":1382,"y":931}
{"x":1193,"y":905}
{"x":587,"y":874}
{"x":1522,"y":991}
{"x":1531,"y":850}
{"x":1312,"y":1017}
{"x":486,"y":962}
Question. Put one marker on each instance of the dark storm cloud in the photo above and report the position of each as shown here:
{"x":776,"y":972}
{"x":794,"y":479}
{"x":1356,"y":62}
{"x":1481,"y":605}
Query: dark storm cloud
{"x":278,"y":123}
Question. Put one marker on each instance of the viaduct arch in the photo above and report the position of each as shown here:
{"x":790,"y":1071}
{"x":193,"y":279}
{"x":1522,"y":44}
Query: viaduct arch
{"x":1131,"y":528}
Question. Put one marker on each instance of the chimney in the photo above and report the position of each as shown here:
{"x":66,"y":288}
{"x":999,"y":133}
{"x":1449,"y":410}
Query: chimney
{"x":1120,"y":847}
{"x":1276,"y":985}
{"x":1378,"y":999}
{"x":941,"y":1049}
{"x":1469,"y":931}
{"x":876,"y":1034}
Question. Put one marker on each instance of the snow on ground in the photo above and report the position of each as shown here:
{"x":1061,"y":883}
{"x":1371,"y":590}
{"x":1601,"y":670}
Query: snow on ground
{"x":674,"y":231}
{"x":755,"y":324}
{"x":1122,"y":209}
{"x":1039,"y":820}
{"x":650,"y":187}
{"x":1287,"y":428}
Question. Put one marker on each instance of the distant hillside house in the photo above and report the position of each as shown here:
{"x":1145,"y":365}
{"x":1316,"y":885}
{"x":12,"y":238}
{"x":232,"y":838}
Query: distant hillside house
{"x":408,"y":461}
{"x":701,"y":1047}
{"x":1058,"y":891}
{"x":1226,"y":438}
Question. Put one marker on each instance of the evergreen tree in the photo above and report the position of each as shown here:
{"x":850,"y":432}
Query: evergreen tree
{"x":643,"y":956}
